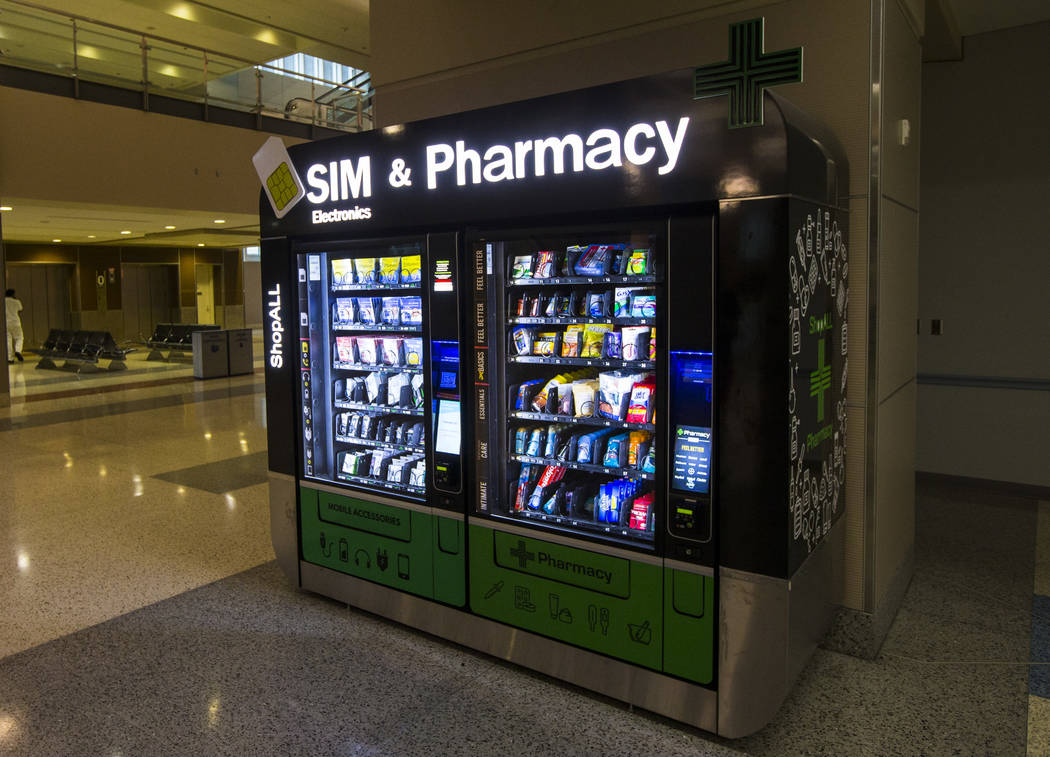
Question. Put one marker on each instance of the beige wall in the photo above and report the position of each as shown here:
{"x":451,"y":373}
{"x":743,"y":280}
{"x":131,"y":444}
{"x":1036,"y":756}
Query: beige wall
{"x":60,"y":149}
{"x":985,"y":260}
{"x":431,"y":58}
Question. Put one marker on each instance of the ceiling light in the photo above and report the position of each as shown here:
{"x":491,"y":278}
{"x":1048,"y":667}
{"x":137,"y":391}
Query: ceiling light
{"x":169,"y":228}
{"x":6,"y":207}
{"x":200,"y":244}
{"x":91,"y":236}
{"x":220,"y":220}
{"x":125,"y":232}
{"x":56,"y":240}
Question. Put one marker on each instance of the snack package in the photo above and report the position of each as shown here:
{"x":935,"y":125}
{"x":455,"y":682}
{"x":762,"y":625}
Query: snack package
{"x":614,"y":391}
{"x":598,"y":304}
{"x":365,"y":270}
{"x":544,"y":265}
{"x":638,"y":263}
{"x":521,"y":341}
{"x":345,"y":311}
{"x":413,"y":351}
{"x":391,"y":312}
{"x":567,"y":305}
{"x":342,"y":272}
{"x":636,"y":444}
{"x":652,"y":344}
{"x":522,"y":267}
{"x":635,"y":342}
{"x":583,"y":394}
{"x":616,"y":451}
{"x":641,"y":401}
{"x":545,"y":343}
{"x":571,"y":341}
{"x":525,"y":392}
{"x":643,"y":306}
{"x":389,"y":270}
{"x":344,"y":349}
{"x":410,"y":269}
{"x":392,"y":351}
{"x":411,"y":311}
{"x":367,"y":310}
{"x":593,"y":339}
{"x":522,"y":303}
{"x":565,"y":402}
{"x":367,"y":352}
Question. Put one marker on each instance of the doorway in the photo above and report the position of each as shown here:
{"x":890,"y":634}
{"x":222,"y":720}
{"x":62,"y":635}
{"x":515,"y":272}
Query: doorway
{"x":45,"y":291}
{"x":149,"y":296}
{"x":206,"y":285}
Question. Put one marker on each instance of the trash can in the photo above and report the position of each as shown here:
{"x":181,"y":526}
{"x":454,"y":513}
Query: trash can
{"x":240,"y":350}
{"x":210,"y":354}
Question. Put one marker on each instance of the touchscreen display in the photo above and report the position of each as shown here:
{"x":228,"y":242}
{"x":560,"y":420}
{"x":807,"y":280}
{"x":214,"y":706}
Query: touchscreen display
{"x":447,"y":436}
{"x":691,"y":470}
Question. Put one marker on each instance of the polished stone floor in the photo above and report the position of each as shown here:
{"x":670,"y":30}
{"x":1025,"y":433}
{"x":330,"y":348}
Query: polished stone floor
{"x":141,"y":613}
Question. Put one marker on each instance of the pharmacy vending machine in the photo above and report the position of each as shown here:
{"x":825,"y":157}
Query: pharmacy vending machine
{"x":563,"y":380}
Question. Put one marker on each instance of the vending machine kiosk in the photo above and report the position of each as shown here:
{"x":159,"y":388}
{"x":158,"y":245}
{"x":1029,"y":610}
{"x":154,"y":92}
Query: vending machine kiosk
{"x":563,"y":380}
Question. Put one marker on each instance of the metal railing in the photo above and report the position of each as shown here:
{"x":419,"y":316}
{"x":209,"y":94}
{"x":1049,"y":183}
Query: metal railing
{"x":87,"y":50}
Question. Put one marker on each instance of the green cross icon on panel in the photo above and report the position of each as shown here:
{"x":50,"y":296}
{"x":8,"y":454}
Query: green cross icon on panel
{"x":747,"y":73}
{"x":820,"y":380}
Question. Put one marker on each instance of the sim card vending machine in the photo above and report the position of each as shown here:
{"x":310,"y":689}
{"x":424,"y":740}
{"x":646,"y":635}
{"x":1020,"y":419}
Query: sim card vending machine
{"x":563,"y":381}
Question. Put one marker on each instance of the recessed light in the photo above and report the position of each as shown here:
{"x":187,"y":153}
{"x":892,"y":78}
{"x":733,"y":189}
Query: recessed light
{"x":200,"y":244}
{"x":219,"y":220}
{"x":169,"y":228}
{"x":56,"y":240}
{"x":125,"y":232}
{"x":6,"y":207}
{"x":91,"y":236}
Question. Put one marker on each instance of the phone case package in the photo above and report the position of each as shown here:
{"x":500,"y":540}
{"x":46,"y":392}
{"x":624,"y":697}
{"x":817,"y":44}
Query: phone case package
{"x":398,"y":388}
{"x":390,"y":270}
{"x":367,"y":353}
{"x":392,"y":351}
{"x":375,"y":386}
{"x":410,"y":269}
{"x":344,"y":349}
{"x":368,"y":310}
{"x":391,"y":312}
{"x":417,"y":390}
{"x":342,"y":272}
{"x":411,"y":311}
{"x":413,"y":351}
{"x":345,"y":310}
{"x":365,"y":270}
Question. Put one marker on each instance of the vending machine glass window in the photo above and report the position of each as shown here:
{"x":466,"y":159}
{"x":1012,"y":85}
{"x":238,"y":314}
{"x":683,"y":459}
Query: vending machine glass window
{"x":579,"y":361}
{"x":362,"y":340}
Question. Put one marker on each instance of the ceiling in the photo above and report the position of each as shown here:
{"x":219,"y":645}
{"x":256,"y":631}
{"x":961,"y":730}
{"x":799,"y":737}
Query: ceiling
{"x":258,"y":31}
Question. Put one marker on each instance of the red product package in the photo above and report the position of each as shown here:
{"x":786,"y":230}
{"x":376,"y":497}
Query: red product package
{"x":641,"y":405}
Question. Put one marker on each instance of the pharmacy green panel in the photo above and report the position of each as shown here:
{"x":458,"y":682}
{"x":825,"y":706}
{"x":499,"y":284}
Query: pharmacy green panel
{"x":600,"y":602}
{"x":398,"y":547}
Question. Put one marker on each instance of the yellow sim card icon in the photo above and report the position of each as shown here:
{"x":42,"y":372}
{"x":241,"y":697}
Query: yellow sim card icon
{"x":277,"y":173}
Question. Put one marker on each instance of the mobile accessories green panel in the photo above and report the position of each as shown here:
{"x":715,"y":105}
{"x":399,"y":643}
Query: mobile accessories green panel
{"x":398,"y":547}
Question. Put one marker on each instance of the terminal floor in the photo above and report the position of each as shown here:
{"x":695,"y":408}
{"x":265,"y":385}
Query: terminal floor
{"x":141,"y":613}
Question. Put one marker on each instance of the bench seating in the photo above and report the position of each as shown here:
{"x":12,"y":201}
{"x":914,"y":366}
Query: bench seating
{"x":175,"y":338}
{"x":81,"y":351}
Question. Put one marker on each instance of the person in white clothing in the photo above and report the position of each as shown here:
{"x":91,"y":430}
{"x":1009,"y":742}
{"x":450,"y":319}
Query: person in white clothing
{"x":13,"y":306}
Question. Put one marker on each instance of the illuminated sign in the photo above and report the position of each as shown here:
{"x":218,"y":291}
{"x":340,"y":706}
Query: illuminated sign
{"x":276,"y":350}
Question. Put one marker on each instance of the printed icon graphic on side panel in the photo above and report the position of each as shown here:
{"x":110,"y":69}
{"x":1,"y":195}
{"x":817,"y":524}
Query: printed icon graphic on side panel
{"x":522,"y":554}
{"x":344,"y":550}
{"x":382,"y":558}
{"x":558,"y":612}
{"x":640,"y":634}
{"x":603,"y":620}
{"x":598,"y":617}
{"x":495,"y":589}
{"x":362,"y":559}
{"x":326,"y":546}
{"x":523,"y":599}
{"x":402,"y":566}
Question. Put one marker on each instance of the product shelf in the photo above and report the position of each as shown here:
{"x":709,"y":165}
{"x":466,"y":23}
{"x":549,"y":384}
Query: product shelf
{"x":391,"y":485}
{"x":377,"y":409}
{"x":378,"y":444}
{"x":582,"y":280}
{"x":583,"y":524}
{"x":378,"y":327}
{"x":582,"y":420}
{"x":587,"y":361}
{"x":621,"y":472}
{"x":377,"y":368}
{"x":530,"y":320}
{"x":375,"y":287}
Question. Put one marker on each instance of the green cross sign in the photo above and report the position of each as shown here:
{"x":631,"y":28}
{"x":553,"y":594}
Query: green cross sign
{"x":747,"y":73}
{"x":820,"y":380}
